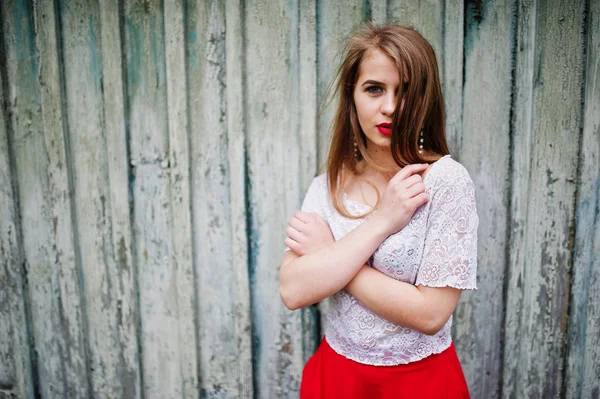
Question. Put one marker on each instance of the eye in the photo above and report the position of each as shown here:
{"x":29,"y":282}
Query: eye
{"x":374,"y":89}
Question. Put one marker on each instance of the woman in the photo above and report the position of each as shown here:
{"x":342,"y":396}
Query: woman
{"x":388,"y":233}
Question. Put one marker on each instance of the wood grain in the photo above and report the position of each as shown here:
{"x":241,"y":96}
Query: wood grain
{"x":546,"y":141}
{"x":583,"y":345}
{"x":43,"y":174}
{"x":15,"y":357}
{"x":485,"y":152}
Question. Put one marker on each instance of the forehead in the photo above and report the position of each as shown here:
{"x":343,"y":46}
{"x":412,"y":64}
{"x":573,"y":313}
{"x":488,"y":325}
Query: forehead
{"x":378,"y":66}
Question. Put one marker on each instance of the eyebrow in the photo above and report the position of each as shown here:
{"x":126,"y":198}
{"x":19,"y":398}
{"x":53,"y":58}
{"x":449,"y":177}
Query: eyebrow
{"x":372,"y":82}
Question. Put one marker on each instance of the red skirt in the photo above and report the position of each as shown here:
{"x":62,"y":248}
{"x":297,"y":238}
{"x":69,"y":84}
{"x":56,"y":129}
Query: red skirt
{"x":328,"y":374}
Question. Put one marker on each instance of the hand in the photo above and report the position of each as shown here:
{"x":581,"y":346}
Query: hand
{"x":307,"y":233}
{"x":404,"y":193}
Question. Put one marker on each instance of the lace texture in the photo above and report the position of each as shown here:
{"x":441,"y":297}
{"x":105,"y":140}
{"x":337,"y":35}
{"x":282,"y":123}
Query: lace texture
{"x":437,"y":248}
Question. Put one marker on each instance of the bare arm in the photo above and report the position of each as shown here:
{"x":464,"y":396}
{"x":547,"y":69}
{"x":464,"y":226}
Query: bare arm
{"x":424,"y":309}
{"x":308,"y":279}
{"x":323,"y":266}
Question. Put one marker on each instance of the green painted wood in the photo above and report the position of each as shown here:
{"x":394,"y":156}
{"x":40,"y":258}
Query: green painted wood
{"x":452,"y":73}
{"x":273,"y":90}
{"x":379,"y":12}
{"x":335,"y":20}
{"x":42,"y":173}
{"x":15,"y":357}
{"x":237,"y":138}
{"x":163,"y":317}
{"x":425,"y":16}
{"x":305,"y":93}
{"x":180,"y":200}
{"x":582,"y":371}
{"x":485,"y":152}
{"x":124,"y":278}
{"x":107,"y":278}
{"x":546,"y":131}
{"x":211,"y":193}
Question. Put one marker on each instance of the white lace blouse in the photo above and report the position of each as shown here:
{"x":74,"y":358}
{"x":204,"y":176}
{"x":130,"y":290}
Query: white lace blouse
{"x":437,"y":248}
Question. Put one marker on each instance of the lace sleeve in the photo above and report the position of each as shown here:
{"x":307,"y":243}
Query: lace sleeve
{"x":450,"y":252}
{"x":313,"y":199}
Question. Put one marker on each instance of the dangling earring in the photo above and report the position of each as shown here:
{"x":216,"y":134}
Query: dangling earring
{"x":421,"y":140}
{"x":356,"y":154}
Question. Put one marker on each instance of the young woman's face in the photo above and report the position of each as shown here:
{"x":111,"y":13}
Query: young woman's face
{"x":375,"y":97}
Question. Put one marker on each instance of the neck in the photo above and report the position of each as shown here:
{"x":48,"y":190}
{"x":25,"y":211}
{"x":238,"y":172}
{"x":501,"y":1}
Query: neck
{"x":382,"y":156}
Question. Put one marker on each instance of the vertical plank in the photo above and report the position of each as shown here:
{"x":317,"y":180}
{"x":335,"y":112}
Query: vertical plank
{"x":452,"y":73}
{"x":425,"y":16}
{"x":163,"y":318}
{"x":124,"y":278}
{"x":108,"y":280}
{"x":42,"y":173}
{"x":15,"y":357}
{"x":305,"y":93}
{"x":179,"y":157}
{"x":237,"y":139}
{"x":211,"y":207}
{"x":273,"y":90}
{"x":582,"y":371}
{"x":546,"y":141}
{"x":486,"y":121}
{"x":379,"y":11}
{"x":334,"y":21}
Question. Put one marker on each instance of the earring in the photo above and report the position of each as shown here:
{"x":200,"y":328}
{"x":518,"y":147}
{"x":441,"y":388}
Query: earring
{"x":421,"y":140}
{"x":356,"y":153}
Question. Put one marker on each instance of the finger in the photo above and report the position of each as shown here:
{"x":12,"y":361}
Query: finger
{"x":293,"y":245}
{"x":303,"y":216}
{"x":415,"y":190}
{"x":409,"y":170}
{"x":293,"y":233}
{"x":297,"y":224}
{"x":419,"y":200}
{"x":412,"y":180}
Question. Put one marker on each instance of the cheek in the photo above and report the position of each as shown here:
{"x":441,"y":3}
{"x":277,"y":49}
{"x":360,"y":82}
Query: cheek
{"x":363,"y":108}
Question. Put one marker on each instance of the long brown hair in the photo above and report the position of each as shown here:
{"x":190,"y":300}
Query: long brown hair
{"x":423,"y":107}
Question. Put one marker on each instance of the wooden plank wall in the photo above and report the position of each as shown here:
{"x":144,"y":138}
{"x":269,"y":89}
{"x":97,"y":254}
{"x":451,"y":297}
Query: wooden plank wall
{"x":151,"y":153}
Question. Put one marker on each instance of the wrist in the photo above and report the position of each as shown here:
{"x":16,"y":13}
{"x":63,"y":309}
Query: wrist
{"x":379,"y":224}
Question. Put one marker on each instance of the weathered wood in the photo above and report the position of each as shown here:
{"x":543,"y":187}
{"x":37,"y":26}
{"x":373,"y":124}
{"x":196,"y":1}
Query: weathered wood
{"x":163,"y":357}
{"x":425,"y":16}
{"x":15,"y":357}
{"x":237,"y":138}
{"x":485,"y":152}
{"x":179,"y":163}
{"x":124,"y":282}
{"x":452,"y":73}
{"x":335,"y":20}
{"x":305,"y":93}
{"x":379,"y":12}
{"x":546,"y":141}
{"x":108,"y":287}
{"x":42,"y":174}
{"x":582,"y":371}
{"x":212,"y":201}
{"x":273,"y":91}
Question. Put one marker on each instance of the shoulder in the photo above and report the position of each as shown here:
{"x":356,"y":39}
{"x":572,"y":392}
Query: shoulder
{"x":449,"y":182}
{"x":446,"y":172}
{"x":321,"y":180}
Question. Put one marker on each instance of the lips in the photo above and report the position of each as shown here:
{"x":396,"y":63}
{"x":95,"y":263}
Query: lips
{"x":385,"y":128}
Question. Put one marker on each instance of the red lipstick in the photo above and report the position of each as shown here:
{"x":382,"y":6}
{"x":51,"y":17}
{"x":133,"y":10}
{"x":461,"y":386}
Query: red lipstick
{"x":385,"y":128}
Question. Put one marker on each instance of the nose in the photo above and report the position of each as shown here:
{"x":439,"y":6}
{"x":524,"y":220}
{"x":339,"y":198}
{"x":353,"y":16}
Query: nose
{"x":389,"y":104}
